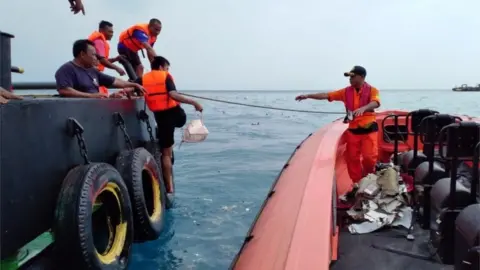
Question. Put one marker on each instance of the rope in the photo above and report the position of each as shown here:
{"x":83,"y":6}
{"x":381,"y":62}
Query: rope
{"x":261,"y":107}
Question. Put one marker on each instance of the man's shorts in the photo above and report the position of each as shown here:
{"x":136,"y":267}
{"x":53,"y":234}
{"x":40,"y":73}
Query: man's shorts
{"x":132,"y":57}
{"x":166,"y":123}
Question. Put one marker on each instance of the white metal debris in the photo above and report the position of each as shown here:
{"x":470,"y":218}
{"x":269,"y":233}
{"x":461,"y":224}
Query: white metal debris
{"x":381,"y":200}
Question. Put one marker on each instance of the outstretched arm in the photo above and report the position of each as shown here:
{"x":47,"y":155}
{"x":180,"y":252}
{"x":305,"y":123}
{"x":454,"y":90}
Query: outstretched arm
{"x":70,"y":92}
{"x":6,"y":95}
{"x":119,"y":83}
{"x":150,"y":51}
{"x":76,"y":6}
{"x":330,"y":96}
{"x":107,"y":63}
{"x":182,"y":99}
{"x":319,"y":96}
{"x":100,"y":49}
{"x":172,"y":92}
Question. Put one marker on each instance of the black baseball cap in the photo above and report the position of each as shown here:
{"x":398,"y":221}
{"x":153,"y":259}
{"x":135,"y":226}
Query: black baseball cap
{"x":356,"y":70}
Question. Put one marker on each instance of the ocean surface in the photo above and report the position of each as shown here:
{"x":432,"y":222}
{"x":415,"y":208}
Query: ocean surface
{"x":222,"y":182}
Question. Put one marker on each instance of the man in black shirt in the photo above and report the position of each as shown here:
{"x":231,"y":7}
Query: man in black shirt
{"x":163,"y":99}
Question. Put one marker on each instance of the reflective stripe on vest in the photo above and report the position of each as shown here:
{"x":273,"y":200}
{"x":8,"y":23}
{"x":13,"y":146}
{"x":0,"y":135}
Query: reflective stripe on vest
{"x":157,"y":97}
{"x":97,"y":35}
{"x":127,"y":39}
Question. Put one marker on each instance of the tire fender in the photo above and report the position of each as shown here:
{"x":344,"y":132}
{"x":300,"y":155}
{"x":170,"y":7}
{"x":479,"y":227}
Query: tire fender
{"x":86,"y":187}
{"x":145,"y":185}
{"x":155,"y":151}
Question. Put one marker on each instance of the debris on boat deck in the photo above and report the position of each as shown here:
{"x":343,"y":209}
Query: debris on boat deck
{"x":385,"y":249}
{"x":379,"y":217}
{"x":381,"y":200}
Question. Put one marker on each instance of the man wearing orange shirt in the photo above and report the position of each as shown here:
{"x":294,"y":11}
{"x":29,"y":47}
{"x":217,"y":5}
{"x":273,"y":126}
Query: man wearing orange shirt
{"x":360,"y":100}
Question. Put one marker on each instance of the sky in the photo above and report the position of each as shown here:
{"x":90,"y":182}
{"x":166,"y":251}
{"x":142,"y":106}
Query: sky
{"x":267,"y":44}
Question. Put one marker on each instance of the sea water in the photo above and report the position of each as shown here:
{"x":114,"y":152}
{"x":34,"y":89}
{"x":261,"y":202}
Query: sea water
{"x":222,"y":182}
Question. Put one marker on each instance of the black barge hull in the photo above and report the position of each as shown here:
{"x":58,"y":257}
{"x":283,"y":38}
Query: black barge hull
{"x":36,"y":152}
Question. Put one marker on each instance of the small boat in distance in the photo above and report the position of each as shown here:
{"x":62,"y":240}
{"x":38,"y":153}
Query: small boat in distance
{"x":432,"y":163}
{"x":466,"y":88}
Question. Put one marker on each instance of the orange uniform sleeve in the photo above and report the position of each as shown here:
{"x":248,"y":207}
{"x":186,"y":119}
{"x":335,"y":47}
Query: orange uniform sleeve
{"x":375,"y":95}
{"x":337,"y":95}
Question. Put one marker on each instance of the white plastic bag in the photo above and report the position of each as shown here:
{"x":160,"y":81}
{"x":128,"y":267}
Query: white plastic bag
{"x":195,"y":131}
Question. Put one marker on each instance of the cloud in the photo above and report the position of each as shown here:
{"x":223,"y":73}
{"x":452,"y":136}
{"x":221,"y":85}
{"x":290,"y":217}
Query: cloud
{"x":268,"y":44}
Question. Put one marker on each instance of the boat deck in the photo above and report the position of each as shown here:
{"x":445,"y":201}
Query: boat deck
{"x":359,"y":251}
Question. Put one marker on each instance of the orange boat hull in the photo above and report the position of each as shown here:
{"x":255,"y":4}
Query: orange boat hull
{"x":296,"y":226}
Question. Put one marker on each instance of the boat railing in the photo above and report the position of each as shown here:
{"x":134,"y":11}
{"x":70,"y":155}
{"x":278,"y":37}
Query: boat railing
{"x":412,"y":121}
{"x":6,"y":69}
{"x":475,"y":188}
{"x":459,"y":142}
{"x":430,"y":128}
{"x":396,"y":134}
{"x":52,"y":85}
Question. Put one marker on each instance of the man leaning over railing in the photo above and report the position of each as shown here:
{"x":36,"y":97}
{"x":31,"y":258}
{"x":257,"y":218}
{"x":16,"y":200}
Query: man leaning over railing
{"x":80,"y":78}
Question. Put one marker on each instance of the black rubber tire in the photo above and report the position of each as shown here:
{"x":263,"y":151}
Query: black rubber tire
{"x":155,"y":151}
{"x":73,"y":227}
{"x":148,"y":206}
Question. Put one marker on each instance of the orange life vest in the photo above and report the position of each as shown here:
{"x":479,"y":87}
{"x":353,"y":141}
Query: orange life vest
{"x":365,"y":95}
{"x":103,"y":90}
{"x":127,"y":39}
{"x":97,"y":35}
{"x":157,"y":97}
{"x":94,"y":36}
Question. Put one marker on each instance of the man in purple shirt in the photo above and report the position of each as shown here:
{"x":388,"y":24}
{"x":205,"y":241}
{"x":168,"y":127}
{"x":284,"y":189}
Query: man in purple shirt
{"x":80,"y":78}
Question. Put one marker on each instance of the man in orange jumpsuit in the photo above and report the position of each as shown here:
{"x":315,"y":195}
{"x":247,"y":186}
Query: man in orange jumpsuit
{"x":360,"y":100}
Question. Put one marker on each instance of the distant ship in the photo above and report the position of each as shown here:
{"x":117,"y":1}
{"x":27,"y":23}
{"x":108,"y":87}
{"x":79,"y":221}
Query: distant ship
{"x":467,"y":88}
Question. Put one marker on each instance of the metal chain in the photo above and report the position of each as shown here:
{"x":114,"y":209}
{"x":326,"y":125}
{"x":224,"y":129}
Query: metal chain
{"x":83,"y":147}
{"x":144,"y":117}
{"x":128,"y":141}
{"x":149,"y":129}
